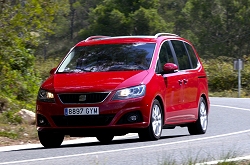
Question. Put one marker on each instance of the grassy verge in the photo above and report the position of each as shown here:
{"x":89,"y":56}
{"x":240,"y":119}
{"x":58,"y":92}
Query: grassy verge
{"x":224,"y":161}
{"x":230,"y":93}
{"x":14,"y":134}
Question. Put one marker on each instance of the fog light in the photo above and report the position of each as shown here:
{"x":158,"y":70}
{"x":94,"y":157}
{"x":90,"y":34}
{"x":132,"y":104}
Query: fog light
{"x":41,"y":121}
{"x":132,"y":118}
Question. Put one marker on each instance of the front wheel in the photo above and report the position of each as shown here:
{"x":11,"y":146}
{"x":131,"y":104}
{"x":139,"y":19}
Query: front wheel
{"x":50,"y":139}
{"x":200,"y":126}
{"x":153,"y":131}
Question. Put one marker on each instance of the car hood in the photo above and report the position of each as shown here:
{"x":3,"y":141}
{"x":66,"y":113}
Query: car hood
{"x":94,"y":81}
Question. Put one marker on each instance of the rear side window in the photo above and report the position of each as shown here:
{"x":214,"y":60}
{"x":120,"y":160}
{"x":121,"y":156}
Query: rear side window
{"x":192,"y":55}
{"x":181,"y":54}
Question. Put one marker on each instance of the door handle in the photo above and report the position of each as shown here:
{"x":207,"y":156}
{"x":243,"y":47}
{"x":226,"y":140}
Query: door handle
{"x":185,"y":81}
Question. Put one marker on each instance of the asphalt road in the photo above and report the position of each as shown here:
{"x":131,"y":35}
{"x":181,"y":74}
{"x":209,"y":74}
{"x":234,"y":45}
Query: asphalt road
{"x":228,"y":136}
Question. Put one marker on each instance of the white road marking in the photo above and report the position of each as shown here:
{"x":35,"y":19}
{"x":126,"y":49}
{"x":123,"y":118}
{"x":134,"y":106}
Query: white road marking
{"x":142,"y":147}
{"x":228,"y":160}
{"x":125,"y":149}
{"x":244,"y":109}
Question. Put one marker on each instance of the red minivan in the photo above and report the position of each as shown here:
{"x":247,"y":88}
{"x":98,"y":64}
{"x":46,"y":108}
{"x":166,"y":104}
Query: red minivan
{"x":110,"y":86}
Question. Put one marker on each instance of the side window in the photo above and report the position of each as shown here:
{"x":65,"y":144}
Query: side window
{"x":166,"y":55}
{"x":192,"y":55}
{"x":181,"y":54}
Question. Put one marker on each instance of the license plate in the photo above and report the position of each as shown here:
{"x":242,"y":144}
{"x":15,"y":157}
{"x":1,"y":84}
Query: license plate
{"x":81,"y":111}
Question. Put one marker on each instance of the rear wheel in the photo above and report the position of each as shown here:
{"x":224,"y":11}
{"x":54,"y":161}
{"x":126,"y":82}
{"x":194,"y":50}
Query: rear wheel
{"x":153,"y":131}
{"x":50,"y":139}
{"x":105,"y":138}
{"x":200,"y":126}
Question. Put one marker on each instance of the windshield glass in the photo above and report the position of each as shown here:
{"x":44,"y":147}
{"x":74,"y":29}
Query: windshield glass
{"x":110,"y":57}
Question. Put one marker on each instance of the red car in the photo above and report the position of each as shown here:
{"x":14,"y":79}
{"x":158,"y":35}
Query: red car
{"x":111,"y":86}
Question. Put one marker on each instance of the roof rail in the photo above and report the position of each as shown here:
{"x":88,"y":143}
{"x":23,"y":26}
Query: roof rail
{"x":95,"y":37}
{"x":165,"y":34}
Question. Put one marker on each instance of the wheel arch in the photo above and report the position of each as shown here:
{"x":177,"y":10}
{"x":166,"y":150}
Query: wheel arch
{"x":207,"y":101}
{"x":162,"y":107}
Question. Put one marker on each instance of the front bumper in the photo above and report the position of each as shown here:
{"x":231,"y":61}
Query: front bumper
{"x":113,"y":117}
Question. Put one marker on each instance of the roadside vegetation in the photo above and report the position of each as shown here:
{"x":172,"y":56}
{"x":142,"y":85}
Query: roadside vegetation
{"x":35,"y":35}
{"x":225,"y":162}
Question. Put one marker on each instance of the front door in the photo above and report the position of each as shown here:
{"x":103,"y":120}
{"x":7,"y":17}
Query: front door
{"x":174,"y":86}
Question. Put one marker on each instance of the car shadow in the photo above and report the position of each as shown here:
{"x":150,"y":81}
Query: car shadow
{"x":114,"y":142}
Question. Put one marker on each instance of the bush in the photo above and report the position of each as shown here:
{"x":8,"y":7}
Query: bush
{"x":43,"y":66}
{"x":9,"y":117}
{"x":223,"y":79}
{"x":3,"y":104}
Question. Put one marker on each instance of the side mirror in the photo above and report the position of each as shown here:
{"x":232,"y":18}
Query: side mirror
{"x":170,"y":68}
{"x":52,"y":71}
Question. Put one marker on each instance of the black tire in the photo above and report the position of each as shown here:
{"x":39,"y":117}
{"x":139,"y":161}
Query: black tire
{"x":105,"y":139}
{"x":154,"y":130}
{"x":200,"y":126}
{"x":50,"y":139}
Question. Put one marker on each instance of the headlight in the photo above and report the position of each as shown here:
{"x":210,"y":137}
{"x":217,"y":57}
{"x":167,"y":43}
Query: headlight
{"x":45,"y":96}
{"x":128,"y":93}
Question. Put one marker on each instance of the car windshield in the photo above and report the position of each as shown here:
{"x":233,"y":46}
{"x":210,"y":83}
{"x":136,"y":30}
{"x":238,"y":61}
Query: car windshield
{"x":110,"y":57}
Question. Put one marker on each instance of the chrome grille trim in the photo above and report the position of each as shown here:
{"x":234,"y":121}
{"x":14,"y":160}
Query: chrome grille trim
{"x":91,"y":98}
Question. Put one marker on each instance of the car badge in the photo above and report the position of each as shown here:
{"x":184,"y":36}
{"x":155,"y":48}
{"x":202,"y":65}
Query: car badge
{"x":82,"y":97}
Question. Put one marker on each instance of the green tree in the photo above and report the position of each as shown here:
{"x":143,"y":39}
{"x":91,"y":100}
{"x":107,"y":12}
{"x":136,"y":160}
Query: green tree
{"x":125,"y":17}
{"x":24,"y":25}
{"x":148,"y":21}
{"x":220,"y":26}
{"x":69,"y":20}
{"x":171,"y":12}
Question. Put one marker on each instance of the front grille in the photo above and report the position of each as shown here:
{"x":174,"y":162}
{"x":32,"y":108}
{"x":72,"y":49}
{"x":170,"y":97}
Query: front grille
{"x":78,"y":98}
{"x":91,"y":120}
